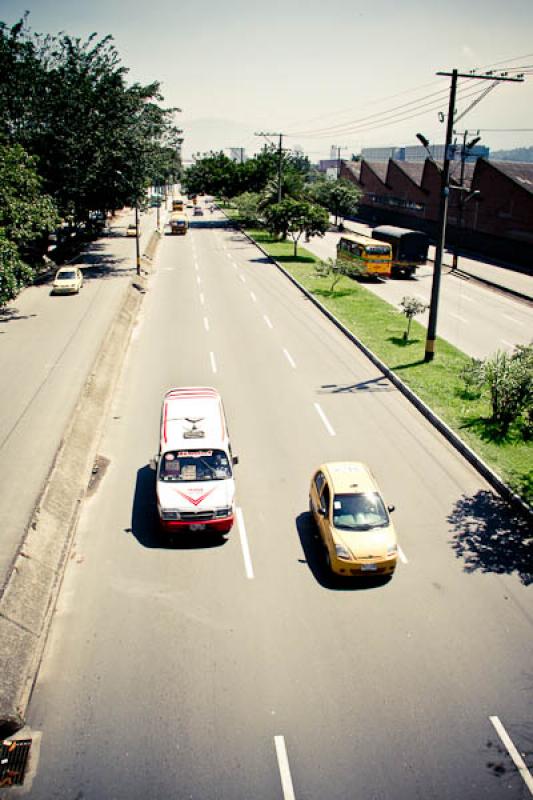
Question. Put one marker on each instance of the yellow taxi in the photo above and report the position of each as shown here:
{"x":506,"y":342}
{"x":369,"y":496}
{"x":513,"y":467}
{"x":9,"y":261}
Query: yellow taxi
{"x":352,"y":520}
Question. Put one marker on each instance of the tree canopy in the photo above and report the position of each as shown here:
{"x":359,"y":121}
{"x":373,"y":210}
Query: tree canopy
{"x":95,"y":142}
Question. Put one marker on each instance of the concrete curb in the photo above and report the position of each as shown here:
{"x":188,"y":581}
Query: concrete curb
{"x":490,"y":476}
{"x":28,"y":601}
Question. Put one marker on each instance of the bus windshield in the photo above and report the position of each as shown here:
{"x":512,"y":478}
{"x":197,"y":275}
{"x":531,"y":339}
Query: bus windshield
{"x":194,"y":465}
{"x":378,"y":250}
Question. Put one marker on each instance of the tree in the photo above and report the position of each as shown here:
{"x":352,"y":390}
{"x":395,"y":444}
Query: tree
{"x":99,"y":143}
{"x":411,"y":306}
{"x":294,"y":218}
{"x":340,"y":197}
{"x":25,"y":216}
{"x":332,"y":268}
{"x":214,"y":173}
{"x":510,"y":381}
{"x":247,"y":204}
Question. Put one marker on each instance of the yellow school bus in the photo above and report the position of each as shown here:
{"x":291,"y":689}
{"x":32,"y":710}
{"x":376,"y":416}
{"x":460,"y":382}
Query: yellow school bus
{"x":178,"y":204}
{"x":362,"y":256}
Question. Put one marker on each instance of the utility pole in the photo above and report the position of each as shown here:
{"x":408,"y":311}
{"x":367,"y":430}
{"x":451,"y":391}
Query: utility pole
{"x":444,"y":194}
{"x":280,"y":157}
{"x":343,"y":147}
{"x":137,"y":244}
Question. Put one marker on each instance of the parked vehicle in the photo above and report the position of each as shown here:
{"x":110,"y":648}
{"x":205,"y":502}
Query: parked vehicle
{"x":178,"y":204}
{"x":131,"y":230}
{"x":409,"y":248}
{"x":68,"y":280}
{"x":194,"y":484}
{"x":363,"y":257}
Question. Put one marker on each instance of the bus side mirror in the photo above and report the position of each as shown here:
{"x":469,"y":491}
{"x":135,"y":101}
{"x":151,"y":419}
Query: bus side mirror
{"x":153,"y":463}
{"x":391,"y":508}
{"x":235,"y":460}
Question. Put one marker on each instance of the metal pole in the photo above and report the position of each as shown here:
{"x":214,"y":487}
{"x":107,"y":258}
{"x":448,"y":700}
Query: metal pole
{"x":137,"y":245}
{"x":443,"y":212}
{"x":280,"y":153}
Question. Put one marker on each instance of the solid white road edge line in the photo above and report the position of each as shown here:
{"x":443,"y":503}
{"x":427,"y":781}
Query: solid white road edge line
{"x":289,"y":358}
{"x":284,"y":769}
{"x":513,"y":752}
{"x":213,"y":362}
{"x":324,"y":420}
{"x":244,"y":544}
{"x":267,"y":321}
{"x":402,"y":556}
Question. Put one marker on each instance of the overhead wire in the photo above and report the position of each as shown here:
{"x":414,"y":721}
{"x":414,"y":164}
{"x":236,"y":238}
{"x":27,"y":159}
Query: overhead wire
{"x":353,"y":126}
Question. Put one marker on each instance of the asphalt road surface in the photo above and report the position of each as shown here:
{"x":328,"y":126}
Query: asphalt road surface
{"x":477,"y":320}
{"x":239,"y":669}
{"x":48,"y":344}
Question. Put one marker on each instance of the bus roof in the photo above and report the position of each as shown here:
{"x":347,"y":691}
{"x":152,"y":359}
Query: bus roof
{"x":358,"y":237}
{"x":395,"y":232}
{"x":192,"y":417}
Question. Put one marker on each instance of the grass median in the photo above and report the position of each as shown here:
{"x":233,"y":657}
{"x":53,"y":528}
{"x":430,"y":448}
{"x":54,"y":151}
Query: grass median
{"x":438,"y":383}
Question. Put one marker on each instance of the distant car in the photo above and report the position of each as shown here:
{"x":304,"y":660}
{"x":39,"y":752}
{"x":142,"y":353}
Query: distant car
{"x":68,"y":280}
{"x":352,"y":520}
{"x":198,"y":212}
{"x":131,"y":230}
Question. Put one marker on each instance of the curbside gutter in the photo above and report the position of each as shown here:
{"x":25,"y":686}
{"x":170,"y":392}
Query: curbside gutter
{"x":490,"y":476}
{"x":28,"y":600}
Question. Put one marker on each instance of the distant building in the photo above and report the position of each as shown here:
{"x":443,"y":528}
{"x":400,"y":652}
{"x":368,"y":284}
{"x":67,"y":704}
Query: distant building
{"x":383,"y":153}
{"x":417,"y":153}
{"x":237,"y":154}
{"x":496,"y":221}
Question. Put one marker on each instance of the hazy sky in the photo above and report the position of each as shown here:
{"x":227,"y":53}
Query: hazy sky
{"x":328,"y":73}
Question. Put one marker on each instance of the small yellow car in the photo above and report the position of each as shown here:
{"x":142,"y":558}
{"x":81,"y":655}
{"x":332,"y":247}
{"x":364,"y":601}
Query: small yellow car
{"x":131,"y":230}
{"x":68,"y":280}
{"x":352,"y":520}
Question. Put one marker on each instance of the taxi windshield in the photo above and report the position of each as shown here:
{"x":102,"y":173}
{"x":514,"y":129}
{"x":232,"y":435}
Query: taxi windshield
{"x":66,"y":275}
{"x":359,"y":512}
{"x":184,"y":466}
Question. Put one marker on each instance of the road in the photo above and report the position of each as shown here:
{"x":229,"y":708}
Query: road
{"x":239,"y":669}
{"x":475,"y":319}
{"x":47,"y":346}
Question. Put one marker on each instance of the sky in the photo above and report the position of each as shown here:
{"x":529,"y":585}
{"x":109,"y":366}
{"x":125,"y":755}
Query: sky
{"x":352,"y":74}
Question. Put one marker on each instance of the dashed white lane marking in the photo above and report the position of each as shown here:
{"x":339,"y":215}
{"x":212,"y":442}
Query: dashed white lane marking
{"x":402,"y":556}
{"x":459,"y":317}
{"x":241,"y":277}
{"x":513,"y":752}
{"x":213,"y":362}
{"x":284,"y":769}
{"x":254,"y":298}
{"x":196,"y":267}
{"x":513,"y":319}
{"x":206,"y":323}
{"x":267,"y":321}
{"x":198,"y":280}
{"x":248,"y":568}
{"x":507,"y":344}
{"x":202,"y":299}
{"x":325,"y":420}
{"x":289,"y":358}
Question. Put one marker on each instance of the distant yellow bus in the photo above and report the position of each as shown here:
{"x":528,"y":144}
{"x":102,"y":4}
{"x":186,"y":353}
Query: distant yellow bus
{"x":178,"y":204}
{"x":364,"y":257}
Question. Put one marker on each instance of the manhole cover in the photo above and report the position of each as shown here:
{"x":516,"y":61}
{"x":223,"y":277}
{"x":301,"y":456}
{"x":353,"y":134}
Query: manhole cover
{"x":13,"y":760}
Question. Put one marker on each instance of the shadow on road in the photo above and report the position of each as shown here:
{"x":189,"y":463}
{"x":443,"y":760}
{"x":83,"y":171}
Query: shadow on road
{"x":314,"y":558}
{"x":145,"y":523}
{"x":489,"y":537}
{"x":380,"y":384}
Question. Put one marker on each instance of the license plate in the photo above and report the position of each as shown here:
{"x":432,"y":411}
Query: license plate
{"x":197,"y":527}
{"x":368,"y":567}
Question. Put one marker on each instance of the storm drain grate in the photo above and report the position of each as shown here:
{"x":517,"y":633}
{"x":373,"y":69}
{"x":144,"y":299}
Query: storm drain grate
{"x":13,"y":760}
